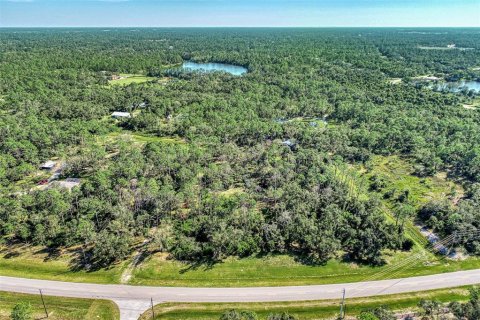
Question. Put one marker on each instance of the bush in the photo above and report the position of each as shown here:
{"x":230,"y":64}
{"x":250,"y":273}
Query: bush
{"x":281,"y":316}
{"x":22,"y":311}
{"x":238,"y":315}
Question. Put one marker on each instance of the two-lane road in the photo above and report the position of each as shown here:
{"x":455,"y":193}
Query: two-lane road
{"x":134,"y":300}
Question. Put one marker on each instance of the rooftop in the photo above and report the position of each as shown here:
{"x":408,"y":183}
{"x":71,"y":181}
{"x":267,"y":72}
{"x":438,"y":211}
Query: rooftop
{"x":119,"y":114}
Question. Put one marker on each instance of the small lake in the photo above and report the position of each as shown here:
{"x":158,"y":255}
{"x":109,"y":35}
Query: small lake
{"x":457,"y":86}
{"x":212,"y":67}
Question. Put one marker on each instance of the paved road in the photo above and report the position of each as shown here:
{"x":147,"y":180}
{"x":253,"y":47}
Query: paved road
{"x":134,"y":300}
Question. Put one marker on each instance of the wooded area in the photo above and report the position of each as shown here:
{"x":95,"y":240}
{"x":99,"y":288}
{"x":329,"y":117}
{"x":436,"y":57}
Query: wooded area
{"x":213,"y":165}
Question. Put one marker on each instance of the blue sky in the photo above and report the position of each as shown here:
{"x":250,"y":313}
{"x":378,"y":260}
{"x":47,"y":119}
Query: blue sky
{"x":188,"y":13}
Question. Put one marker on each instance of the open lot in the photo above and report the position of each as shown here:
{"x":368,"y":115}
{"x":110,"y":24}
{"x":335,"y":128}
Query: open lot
{"x":127,"y":79}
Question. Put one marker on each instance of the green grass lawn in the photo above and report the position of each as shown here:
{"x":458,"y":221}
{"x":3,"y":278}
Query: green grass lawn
{"x":60,"y":308}
{"x":326,"y":309}
{"x":33,"y":262}
{"x":282,"y":270}
{"x":131,"y":78}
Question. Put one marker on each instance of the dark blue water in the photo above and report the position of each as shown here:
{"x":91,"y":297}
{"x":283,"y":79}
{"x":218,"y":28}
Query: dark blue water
{"x":211,"y":67}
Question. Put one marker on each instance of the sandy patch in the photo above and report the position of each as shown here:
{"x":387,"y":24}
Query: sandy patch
{"x":395,"y":81}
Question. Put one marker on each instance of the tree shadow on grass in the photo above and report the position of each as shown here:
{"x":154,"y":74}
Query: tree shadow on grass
{"x":51,"y":253}
{"x":204,"y":264}
{"x":82,"y":261}
{"x":12,"y":254}
{"x":307,"y":260}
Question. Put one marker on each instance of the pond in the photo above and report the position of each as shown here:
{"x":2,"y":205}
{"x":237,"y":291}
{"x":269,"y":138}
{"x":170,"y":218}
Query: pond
{"x":457,"y":86}
{"x":212,"y":67}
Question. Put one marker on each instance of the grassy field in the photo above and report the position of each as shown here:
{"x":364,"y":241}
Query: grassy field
{"x":282,"y":270}
{"x":131,"y":78}
{"x":327,"y":309}
{"x":33,"y":262}
{"x":60,"y":308}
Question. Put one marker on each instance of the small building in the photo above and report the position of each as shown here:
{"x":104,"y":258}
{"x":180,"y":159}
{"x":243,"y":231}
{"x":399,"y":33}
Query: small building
{"x":288,"y":143}
{"x":451,"y":46}
{"x":139,"y":105}
{"x":119,"y":114}
{"x":48,"y":165}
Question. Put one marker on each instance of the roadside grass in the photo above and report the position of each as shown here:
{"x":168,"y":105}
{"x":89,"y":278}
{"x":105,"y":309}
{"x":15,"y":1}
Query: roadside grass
{"x":131,"y":78}
{"x":282,"y":270}
{"x":35,"y":262}
{"x":323,"y":309}
{"x":60,"y":308}
{"x":273,"y":270}
{"x":269,"y":270}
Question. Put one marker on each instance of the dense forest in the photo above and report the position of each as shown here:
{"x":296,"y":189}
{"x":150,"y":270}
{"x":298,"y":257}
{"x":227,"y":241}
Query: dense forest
{"x":212,"y":165}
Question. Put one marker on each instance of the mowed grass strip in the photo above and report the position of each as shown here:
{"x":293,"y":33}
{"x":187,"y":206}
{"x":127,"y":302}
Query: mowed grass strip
{"x":59,"y":307}
{"x":34,"y":262}
{"x":157,"y":270}
{"x":282,"y":270}
{"x":323,"y":309}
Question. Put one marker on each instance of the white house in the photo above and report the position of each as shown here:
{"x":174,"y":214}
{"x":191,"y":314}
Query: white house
{"x":119,"y":114}
{"x":49,"y":165}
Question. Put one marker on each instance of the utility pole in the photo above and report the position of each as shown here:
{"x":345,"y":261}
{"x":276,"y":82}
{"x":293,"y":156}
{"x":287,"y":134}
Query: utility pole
{"x":342,"y":306}
{"x":43,"y":301}
{"x":153,"y":311}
